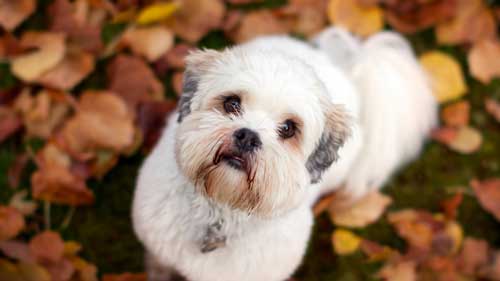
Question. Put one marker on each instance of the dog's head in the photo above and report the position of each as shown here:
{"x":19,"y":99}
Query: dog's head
{"x":256,"y":128}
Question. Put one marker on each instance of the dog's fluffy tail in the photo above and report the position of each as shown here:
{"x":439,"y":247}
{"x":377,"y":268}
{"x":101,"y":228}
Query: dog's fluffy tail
{"x":397,"y":106}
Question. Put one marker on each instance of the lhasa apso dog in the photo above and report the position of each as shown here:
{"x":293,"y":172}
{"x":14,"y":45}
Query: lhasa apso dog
{"x":261,"y":131}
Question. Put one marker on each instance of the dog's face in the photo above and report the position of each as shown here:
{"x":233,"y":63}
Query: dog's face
{"x":255,"y":129}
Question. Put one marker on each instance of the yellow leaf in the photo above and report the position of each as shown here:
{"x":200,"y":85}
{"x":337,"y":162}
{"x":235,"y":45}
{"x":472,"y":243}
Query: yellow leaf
{"x":467,"y":140}
{"x":71,"y":248}
{"x":454,"y":230}
{"x":446,"y":75}
{"x":345,"y":242}
{"x":156,"y":12}
{"x":356,"y":18}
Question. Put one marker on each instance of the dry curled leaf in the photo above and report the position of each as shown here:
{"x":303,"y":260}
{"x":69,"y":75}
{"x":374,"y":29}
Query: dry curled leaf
{"x":254,"y":24}
{"x":456,"y":114}
{"x":473,"y":21}
{"x":409,"y":16}
{"x":75,"y":66}
{"x":447,"y":79}
{"x":400,"y":271}
{"x":484,"y":64}
{"x":133,"y":80}
{"x":376,"y":252}
{"x":488,"y":194}
{"x":195,"y":18}
{"x":125,"y":277}
{"x":415,"y":227}
{"x":50,"y":50}
{"x":151,"y":119}
{"x":11,"y":222}
{"x":491,"y":105}
{"x":13,"y":13}
{"x":345,"y":242}
{"x":47,"y":246}
{"x":358,"y":19}
{"x":150,"y":42}
{"x":362,"y":212}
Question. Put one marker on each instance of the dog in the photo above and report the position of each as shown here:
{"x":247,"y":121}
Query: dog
{"x":261,"y":131}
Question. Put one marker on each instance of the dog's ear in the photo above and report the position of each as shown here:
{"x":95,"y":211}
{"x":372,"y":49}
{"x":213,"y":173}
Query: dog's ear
{"x":197,"y":63}
{"x":335,"y":133}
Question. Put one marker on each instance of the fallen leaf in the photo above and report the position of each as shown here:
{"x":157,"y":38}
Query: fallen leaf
{"x":50,"y":51}
{"x":483,"y":60}
{"x":18,"y":201}
{"x":488,"y":194}
{"x":376,"y":252}
{"x":473,"y":21}
{"x":345,"y":242}
{"x":33,"y":272}
{"x":474,"y":255}
{"x":75,"y":20}
{"x":401,"y":271}
{"x":491,"y":105}
{"x":61,"y":270}
{"x":125,"y":277}
{"x":257,"y":23}
{"x":415,"y":15}
{"x":491,"y":271}
{"x":150,"y":42}
{"x":195,"y":18}
{"x":132,"y":79}
{"x":11,"y":222}
{"x":13,"y":13}
{"x":151,"y":119}
{"x":177,"y":82}
{"x":10,"y":123}
{"x":156,"y":12}
{"x":85,"y":270}
{"x":444,"y":135}
{"x":356,"y":18}
{"x":454,"y":231}
{"x":17,"y":250}
{"x":9,"y":271}
{"x":102,"y":121}
{"x":456,"y":114}
{"x":16,"y":169}
{"x":323,"y":204}
{"x":71,"y":248}
{"x":69,"y":72}
{"x":305,"y":17}
{"x":411,"y":226}
{"x":467,"y":140}
{"x":175,"y":57}
{"x":446,"y":75}
{"x":47,"y":246}
{"x":9,"y":46}
{"x":451,"y":205}
{"x":55,"y":183}
{"x":362,"y":212}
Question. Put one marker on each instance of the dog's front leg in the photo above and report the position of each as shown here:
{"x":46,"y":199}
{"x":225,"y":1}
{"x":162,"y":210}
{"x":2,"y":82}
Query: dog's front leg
{"x":160,"y":272}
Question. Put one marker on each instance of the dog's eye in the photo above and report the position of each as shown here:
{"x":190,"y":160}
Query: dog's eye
{"x":287,"y":129}
{"x":232,"y":104}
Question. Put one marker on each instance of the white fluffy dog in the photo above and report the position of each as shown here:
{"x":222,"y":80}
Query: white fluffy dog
{"x":262,"y":130}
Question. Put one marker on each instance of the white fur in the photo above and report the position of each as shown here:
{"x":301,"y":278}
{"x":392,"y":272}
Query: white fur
{"x":380,"y":85}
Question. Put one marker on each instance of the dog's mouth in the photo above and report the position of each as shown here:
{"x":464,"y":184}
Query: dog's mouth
{"x":234,"y":161}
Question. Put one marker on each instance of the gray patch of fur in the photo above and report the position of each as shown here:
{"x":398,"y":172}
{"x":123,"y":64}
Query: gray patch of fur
{"x":189,"y":88}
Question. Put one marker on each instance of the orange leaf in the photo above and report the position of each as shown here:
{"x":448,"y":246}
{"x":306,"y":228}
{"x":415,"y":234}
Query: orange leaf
{"x":47,"y":246}
{"x":488,"y":194}
{"x":11,"y":222}
{"x":13,"y":13}
{"x":358,"y":19}
{"x":484,"y":64}
{"x":456,"y":114}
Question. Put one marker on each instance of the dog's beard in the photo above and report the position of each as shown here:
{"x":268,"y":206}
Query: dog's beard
{"x":267,"y":182}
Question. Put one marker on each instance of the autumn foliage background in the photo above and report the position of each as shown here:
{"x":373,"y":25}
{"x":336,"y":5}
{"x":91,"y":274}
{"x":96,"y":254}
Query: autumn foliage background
{"x":86,"y":85}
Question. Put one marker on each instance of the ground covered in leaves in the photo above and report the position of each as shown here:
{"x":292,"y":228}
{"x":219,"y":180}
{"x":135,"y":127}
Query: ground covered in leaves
{"x":85,"y":86}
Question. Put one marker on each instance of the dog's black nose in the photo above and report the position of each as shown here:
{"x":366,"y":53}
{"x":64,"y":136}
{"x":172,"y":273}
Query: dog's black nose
{"x":246,"y":140}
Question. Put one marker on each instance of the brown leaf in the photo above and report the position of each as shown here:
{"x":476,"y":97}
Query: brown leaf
{"x":85,"y":271}
{"x":10,"y":123}
{"x":356,"y":18}
{"x":11,"y":222}
{"x":474,"y":255}
{"x":451,"y":205}
{"x":484,"y":64}
{"x":57,"y":184}
{"x":456,"y":114}
{"x":196,"y":18}
{"x":473,"y":21}
{"x":132,"y":79}
{"x":465,"y":140}
{"x":41,"y":113}
{"x":50,"y":50}
{"x":151,"y":118}
{"x":376,"y":252}
{"x":61,"y":270}
{"x":124,"y":277}
{"x":101,"y":122}
{"x":491,"y":271}
{"x":47,"y":246}
{"x":175,"y":56}
{"x":415,"y":15}
{"x":150,"y":42}
{"x":9,"y":46}
{"x":69,"y":72}
{"x":492,"y":107}
{"x":323,"y":204}
{"x":177,"y":82}
{"x":401,"y":271}
{"x":73,"y":19}
{"x":488,"y":194}
{"x":13,"y":13}
{"x":361,"y":213}
{"x":257,"y":23}
{"x":16,"y":169}
{"x":306,"y":17}
{"x":17,"y":250}
{"x":33,"y":272}
{"x":415,"y":227}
